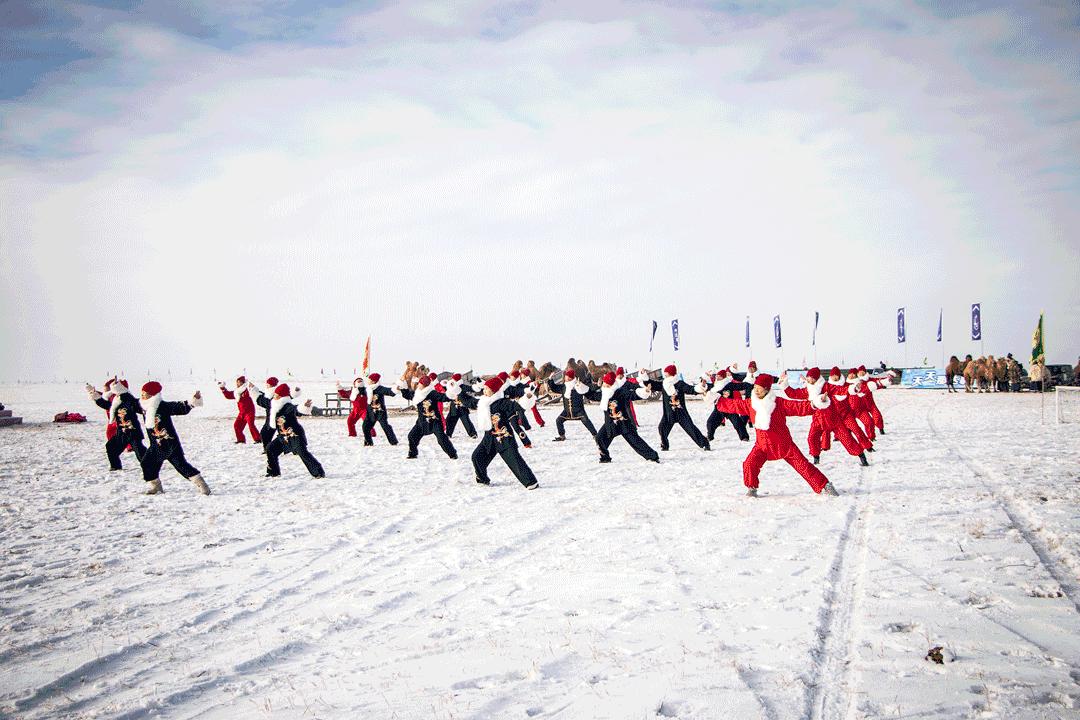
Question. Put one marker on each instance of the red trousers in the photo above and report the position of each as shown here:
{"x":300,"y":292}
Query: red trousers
{"x":757,"y":458}
{"x":247,"y":419}
{"x":879,"y":421}
{"x":819,"y":438}
{"x":852,"y":426}
{"x":354,"y":417}
{"x":868,"y":423}
{"x":536,"y":416}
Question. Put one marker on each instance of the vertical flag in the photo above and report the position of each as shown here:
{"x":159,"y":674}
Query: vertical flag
{"x":675,"y":334}
{"x":813,"y":338}
{"x":367,"y":356}
{"x":976,"y":321}
{"x":939,"y":325}
{"x":654,"y":326}
{"x":776,"y":330}
{"x":747,"y":331}
{"x":901,"y":331}
{"x":1038,"y":352}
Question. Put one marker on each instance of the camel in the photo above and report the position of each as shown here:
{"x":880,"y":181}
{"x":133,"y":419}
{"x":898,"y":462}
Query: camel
{"x":969,"y":374}
{"x":953,"y":369}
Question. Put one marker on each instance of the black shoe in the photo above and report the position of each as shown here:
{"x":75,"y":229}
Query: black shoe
{"x":817,"y":459}
{"x":710,"y":438}
{"x":663,"y":449}
{"x":320,"y":476}
{"x":605,"y":460}
{"x":369,"y":444}
{"x":452,"y":457}
{"x":655,"y":460}
{"x":707,"y":447}
{"x":869,"y":449}
{"x":558,"y":439}
{"x":863,"y":461}
{"x":882,"y":431}
{"x":410,"y":457}
{"x":482,"y":482}
{"x":272,"y":474}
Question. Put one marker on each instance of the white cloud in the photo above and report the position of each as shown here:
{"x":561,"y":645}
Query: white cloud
{"x":541,"y":183}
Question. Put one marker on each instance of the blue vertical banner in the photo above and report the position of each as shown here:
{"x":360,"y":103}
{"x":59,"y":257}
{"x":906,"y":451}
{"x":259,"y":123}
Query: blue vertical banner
{"x":976,"y":321}
{"x":939,"y":325}
{"x":655,"y":325}
{"x":776,"y":330}
{"x":747,"y":331}
{"x":675,"y":334}
{"x":901,"y":329}
{"x":813,"y":337}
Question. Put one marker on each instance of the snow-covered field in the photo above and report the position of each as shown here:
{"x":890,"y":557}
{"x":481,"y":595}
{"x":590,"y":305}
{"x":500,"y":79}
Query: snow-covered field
{"x":395,"y":589}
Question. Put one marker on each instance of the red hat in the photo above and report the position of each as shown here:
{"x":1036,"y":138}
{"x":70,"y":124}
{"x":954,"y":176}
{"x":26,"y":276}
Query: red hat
{"x":358,"y":380}
{"x":862,"y":368}
{"x":374,"y":377}
{"x":241,"y":379}
{"x":425,"y":380}
{"x":609,"y":378}
{"x":752,"y":365}
{"x":764,"y":380}
{"x":123,"y":382}
{"x":813,"y":374}
{"x":835,"y":371}
{"x":570,"y":374}
{"x":272,"y":381}
{"x":504,"y":376}
{"x":722,"y":374}
{"x":282,"y":390}
{"x":494,"y":384}
{"x":152,"y":388}
{"x":852,"y":371}
{"x":670,"y":370}
{"x":109,"y":382}
{"x":456,"y":377}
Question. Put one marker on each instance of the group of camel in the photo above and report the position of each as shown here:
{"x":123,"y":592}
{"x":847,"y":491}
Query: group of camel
{"x":987,"y":374}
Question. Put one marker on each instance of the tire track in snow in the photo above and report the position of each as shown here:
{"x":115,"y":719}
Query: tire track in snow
{"x":830,"y":693}
{"x":1020,"y":519}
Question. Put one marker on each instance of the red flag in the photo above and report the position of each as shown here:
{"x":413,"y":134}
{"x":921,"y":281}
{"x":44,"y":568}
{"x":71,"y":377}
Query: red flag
{"x":367,"y":355}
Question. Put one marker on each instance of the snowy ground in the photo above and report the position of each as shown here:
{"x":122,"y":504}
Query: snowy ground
{"x":397,"y":589}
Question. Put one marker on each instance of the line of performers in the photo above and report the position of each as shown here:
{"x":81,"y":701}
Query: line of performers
{"x":841,"y":407}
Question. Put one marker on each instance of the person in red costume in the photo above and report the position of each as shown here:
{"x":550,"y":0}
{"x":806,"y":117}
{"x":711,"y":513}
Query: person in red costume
{"x":245,"y":407}
{"x":872,"y":384}
{"x":358,"y":399}
{"x":772,"y":441}
{"x":860,"y":403}
{"x":827,"y":419}
{"x":837,"y":389}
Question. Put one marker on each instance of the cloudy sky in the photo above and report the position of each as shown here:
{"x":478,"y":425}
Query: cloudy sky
{"x":264,"y":183}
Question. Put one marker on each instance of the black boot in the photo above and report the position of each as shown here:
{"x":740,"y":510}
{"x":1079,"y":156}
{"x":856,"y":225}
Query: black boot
{"x":863,"y":461}
{"x":817,"y":459}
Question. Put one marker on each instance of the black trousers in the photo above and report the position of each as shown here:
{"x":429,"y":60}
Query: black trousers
{"x":384,"y":423}
{"x":156,"y":455}
{"x":716,"y":419}
{"x":611,"y":430}
{"x":739,"y":422}
{"x":560,"y":424}
{"x":297,"y":447}
{"x":507,"y":449}
{"x":266,"y":434}
{"x":423,"y":428}
{"x":681,"y":417}
{"x":114,"y":447}
{"x":452,"y":419}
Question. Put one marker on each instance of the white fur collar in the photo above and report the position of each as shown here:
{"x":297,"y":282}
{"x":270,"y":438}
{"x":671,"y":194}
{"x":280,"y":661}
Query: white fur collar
{"x":763,"y":409}
{"x":276,"y":406}
{"x":421,"y":393}
{"x":669,"y":384}
{"x":839,"y":382}
{"x":605,"y":395}
{"x":150,"y":407}
{"x":813,"y":389}
{"x":483,"y":409}
{"x":355,"y":392}
{"x":115,"y":404}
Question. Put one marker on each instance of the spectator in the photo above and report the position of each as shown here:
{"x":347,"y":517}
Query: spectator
{"x":1076,"y":373}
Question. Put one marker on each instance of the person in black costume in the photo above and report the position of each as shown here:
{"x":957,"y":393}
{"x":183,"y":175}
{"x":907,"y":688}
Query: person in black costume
{"x":615,"y":400}
{"x":724,"y":387}
{"x":376,"y":410}
{"x":123,"y":410}
{"x":428,"y":421}
{"x":165,"y":441}
{"x":496,"y":417}
{"x":574,"y":392}
{"x":289,"y":435}
{"x":462,"y":401}
{"x":674,"y":391}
